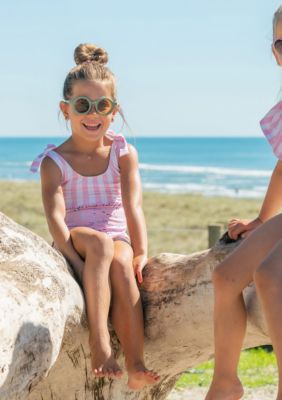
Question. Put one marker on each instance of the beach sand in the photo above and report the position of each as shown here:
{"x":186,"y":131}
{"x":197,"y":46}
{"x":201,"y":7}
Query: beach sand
{"x":265,"y":393}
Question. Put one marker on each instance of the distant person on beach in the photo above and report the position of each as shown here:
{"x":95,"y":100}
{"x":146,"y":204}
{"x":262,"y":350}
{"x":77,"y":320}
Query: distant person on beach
{"x":258,"y":259}
{"x":92,"y":198}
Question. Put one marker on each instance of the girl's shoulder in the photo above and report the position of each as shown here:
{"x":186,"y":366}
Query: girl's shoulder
{"x":121,"y":143}
{"x":126,"y":157}
{"x":129,"y":162}
{"x":118,"y":141}
{"x":50,"y":159}
{"x":36,"y":163}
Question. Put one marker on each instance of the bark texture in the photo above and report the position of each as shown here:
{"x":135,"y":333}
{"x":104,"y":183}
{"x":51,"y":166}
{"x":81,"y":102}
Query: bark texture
{"x":44,"y":352}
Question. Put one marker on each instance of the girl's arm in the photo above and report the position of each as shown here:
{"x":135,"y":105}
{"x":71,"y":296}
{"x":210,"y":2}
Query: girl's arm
{"x":270,"y":207}
{"x":132,"y":203}
{"x":54,"y":206}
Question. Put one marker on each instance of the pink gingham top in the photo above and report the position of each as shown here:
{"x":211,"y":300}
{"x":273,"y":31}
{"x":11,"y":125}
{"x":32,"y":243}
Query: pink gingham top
{"x":93,"y":201}
{"x":271,"y":126}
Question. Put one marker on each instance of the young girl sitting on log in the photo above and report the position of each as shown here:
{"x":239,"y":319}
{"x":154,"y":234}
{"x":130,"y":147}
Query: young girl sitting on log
{"x":92,"y":196}
{"x":258,"y":259}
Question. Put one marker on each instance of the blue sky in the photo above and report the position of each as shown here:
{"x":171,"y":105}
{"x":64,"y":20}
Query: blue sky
{"x":184,"y":67}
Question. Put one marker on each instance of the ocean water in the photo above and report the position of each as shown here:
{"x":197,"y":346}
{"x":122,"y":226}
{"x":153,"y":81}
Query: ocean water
{"x":237,"y":167}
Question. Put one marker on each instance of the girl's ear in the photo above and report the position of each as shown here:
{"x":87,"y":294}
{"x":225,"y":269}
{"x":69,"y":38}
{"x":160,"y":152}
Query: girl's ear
{"x":64,"y":107}
{"x":278,"y":58}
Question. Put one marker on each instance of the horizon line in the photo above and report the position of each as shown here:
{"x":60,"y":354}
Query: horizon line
{"x":147,"y":137}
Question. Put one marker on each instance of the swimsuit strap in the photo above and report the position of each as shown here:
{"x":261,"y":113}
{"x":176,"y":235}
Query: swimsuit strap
{"x":119,"y":142}
{"x":37,"y":161}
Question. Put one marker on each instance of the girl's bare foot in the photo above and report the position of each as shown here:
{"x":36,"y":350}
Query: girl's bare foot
{"x":103,"y":362}
{"x":225,"y":391}
{"x":139,"y":376}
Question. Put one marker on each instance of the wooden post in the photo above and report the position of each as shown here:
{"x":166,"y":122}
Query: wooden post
{"x":214,"y":232}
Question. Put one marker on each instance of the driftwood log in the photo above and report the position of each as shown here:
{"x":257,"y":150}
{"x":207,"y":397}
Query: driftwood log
{"x":44,"y":352}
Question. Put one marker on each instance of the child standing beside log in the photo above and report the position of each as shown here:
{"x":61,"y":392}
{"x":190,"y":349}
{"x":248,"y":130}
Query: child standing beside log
{"x":258,"y":259}
{"x":91,"y":193}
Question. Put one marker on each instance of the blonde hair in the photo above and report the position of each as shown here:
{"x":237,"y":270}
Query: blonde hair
{"x":277,"y":17}
{"x":91,"y":61}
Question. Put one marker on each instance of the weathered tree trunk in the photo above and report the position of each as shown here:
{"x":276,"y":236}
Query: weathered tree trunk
{"x":44,"y":350}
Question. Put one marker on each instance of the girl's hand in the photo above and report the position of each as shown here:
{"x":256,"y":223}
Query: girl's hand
{"x":242,"y":227}
{"x":139,"y":263}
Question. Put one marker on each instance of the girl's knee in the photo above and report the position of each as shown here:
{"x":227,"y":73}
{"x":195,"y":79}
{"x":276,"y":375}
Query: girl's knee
{"x":123,"y":257}
{"x":122,"y":261}
{"x":122,"y":269}
{"x":100,"y":244}
{"x":267,"y":277}
{"x":226,"y":286}
{"x":220,"y":276}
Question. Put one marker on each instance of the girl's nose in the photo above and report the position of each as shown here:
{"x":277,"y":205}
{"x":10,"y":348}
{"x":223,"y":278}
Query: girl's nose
{"x":92,"y":110}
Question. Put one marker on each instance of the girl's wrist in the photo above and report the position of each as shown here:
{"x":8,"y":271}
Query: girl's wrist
{"x":140,"y":253}
{"x":139,"y":250}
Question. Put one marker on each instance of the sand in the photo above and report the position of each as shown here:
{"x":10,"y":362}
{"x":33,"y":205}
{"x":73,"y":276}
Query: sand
{"x":264,"y":393}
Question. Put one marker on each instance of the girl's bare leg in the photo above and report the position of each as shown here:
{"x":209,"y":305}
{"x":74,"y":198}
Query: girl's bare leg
{"x":97,"y":249}
{"x":230,"y":278}
{"x":127,"y":316}
{"x":268,"y":279}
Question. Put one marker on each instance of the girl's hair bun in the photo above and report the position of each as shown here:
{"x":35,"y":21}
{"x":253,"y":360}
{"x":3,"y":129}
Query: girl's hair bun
{"x":90,"y":52}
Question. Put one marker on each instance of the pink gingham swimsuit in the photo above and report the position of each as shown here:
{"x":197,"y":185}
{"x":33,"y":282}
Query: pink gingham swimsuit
{"x":93,"y":201}
{"x":271,"y":126}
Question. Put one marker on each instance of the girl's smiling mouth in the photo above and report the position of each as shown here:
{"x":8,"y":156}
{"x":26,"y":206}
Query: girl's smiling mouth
{"x":92,"y":127}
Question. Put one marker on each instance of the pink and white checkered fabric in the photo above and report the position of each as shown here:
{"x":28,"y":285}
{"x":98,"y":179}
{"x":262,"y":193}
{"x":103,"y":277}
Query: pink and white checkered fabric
{"x":93,"y":201}
{"x":271,"y":126}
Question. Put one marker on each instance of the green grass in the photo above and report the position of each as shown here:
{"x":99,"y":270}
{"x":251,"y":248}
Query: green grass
{"x":176,"y":223}
{"x":257,"y":368}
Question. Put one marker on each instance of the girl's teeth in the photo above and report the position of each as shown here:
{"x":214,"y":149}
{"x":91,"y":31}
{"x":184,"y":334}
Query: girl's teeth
{"x":92,"y":126}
